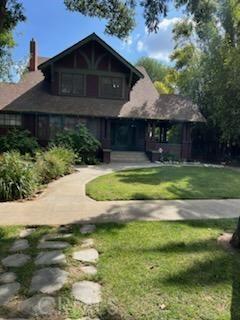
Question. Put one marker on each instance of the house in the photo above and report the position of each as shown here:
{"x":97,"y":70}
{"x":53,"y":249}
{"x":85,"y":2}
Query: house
{"x":90,"y":83}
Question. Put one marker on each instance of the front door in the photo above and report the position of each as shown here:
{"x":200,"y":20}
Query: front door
{"x":127,"y":135}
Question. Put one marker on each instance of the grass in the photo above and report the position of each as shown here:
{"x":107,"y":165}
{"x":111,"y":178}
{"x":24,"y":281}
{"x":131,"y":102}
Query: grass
{"x":150,"y":271}
{"x":166,"y":183}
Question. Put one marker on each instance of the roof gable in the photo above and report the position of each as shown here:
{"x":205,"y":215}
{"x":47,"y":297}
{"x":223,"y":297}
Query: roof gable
{"x":92,"y":37}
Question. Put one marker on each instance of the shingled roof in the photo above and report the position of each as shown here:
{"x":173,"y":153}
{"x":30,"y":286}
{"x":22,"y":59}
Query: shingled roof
{"x":32,"y":94}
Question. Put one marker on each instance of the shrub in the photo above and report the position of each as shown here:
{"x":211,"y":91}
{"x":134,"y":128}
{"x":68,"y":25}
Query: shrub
{"x":18,"y":177}
{"x":18,"y":140}
{"x":81,"y":141}
{"x":54,"y":163}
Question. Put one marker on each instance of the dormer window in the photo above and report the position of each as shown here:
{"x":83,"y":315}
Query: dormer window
{"x":111,"y":87}
{"x":72,"y":84}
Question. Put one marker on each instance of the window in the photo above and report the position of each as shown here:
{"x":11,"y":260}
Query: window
{"x":42,"y":127}
{"x":111,"y":87}
{"x":10,"y":120}
{"x":55,"y":125}
{"x":160,"y":134}
{"x":70,"y":123}
{"x":72,"y":84}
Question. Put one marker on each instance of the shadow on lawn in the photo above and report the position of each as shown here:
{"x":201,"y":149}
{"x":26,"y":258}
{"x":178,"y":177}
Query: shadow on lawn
{"x":223,"y":268}
{"x":186,"y":183}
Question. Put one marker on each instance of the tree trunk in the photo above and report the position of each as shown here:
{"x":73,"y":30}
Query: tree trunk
{"x":235,"y":241}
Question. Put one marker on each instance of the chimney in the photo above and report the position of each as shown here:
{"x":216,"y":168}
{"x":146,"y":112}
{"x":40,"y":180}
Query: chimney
{"x":33,"y":62}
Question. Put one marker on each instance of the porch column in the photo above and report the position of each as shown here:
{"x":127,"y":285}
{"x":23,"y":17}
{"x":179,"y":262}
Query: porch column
{"x":106,"y":139}
{"x":151,"y":143}
{"x":186,"y":142}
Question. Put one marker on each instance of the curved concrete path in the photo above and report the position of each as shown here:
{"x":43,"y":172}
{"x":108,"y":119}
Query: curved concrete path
{"x":64,"y":201}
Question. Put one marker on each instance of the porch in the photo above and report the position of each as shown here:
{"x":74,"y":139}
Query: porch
{"x":156,"y":138}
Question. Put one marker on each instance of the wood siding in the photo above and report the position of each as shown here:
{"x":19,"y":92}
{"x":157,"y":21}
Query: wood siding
{"x":93,"y":61}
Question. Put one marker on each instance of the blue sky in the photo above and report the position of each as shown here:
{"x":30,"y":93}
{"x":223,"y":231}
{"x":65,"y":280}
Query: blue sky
{"x":55,"y":29}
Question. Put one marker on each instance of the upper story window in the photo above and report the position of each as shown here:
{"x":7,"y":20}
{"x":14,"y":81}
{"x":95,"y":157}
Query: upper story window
{"x":10,"y":120}
{"x":72,"y":84}
{"x":111,"y":87}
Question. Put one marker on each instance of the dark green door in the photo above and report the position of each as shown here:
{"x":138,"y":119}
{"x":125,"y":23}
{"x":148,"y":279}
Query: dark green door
{"x":125,"y":135}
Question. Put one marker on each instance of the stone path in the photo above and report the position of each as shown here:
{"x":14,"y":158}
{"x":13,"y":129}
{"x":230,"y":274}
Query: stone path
{"x":86,"y":255}
{"x":88,"y":228}
{"x":87,"y":292}
{"x":7,"y":291}
{"x":91,"y":270}
{"x":51,"y":258}
{"x":53,"y":245}
{"x":7,"y":277}
{"x":49,"y":278}
{"x":38,"y":305}
{"x":19,"y":245}
{"x":16,"y":260}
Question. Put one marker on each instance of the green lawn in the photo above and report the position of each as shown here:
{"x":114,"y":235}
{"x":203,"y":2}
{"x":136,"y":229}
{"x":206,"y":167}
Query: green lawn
{"x":150,"y":271}
{"x":166,"y":183}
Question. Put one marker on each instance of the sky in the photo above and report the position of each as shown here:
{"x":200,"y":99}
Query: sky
{"x":55,"y":29}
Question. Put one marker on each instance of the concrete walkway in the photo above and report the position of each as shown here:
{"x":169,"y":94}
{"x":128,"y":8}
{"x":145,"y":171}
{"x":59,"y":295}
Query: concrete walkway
{"x":64,"y":201}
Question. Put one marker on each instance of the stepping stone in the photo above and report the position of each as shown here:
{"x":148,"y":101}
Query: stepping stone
{"x":86,"y":255}
{"x":87,"y":292}
{"x":53,"y":245}
{"x":48,"y":280}
{"x":53,"y":236}
{"x":38,"y":305}
{"x":19,"y":245}
{"x":8,"y":277}
{"x":63,"y":229}
{"x":13,"y":319}
{"x":87,"y":228}
{"x":91,"y":270}
{"x":87,"y":243}
{"x":51,"y":257}
{"x":26,"y":232}
{"x":8,"y":291}
{"x":16,"y":260}
{"x":84,"y":318}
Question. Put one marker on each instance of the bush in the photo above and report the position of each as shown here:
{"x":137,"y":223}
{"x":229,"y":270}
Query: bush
{"x":18,"y":140}
{"x":81,"y":141}
{"x":18,"y":177}
{"x":54,"y":163}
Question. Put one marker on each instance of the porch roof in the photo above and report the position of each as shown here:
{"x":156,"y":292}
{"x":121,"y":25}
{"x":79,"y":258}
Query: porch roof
{"x":32,"y":94}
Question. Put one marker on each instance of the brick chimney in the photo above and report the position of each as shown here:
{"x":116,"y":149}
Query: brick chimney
{"x":33,"y":62}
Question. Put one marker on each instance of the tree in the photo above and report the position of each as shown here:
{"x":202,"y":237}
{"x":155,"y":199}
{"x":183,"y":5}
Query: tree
{"x":156,"y":70}
{"x":164,"y":77}
{"x":120,"y":15}
{"x":207,"y":56}
{"x":235,"y":241}
{"x":11,"y":12}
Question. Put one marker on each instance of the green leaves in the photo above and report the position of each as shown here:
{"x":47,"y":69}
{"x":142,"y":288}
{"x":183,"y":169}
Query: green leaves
{"x":209,"y":66}
{"x":81,"y":141}
{"x":11,"y":12}
{"x":155,"y":69}
{"x":119,"y":15}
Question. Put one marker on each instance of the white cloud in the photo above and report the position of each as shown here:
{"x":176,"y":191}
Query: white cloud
{"x":140,"y":46}
{"x":165,"y":24}
{"x":159,"y":45}
{"x":129,"y":40}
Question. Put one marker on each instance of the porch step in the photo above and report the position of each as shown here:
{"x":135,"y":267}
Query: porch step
{"x":129,"y":156}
